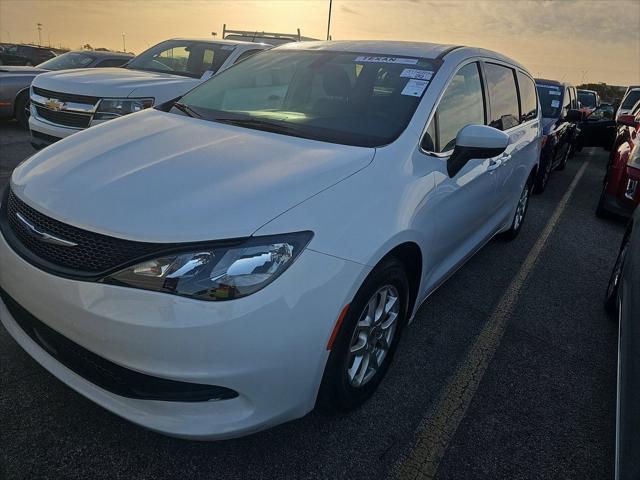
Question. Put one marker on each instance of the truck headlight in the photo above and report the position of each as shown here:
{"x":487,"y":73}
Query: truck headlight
{"x":109,"y":108}
{"x":214,"y":273}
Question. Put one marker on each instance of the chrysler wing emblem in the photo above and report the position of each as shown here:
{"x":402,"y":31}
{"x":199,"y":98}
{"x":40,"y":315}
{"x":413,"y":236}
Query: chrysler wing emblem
{"x":44,"y":236}
{"x":53,"y":104}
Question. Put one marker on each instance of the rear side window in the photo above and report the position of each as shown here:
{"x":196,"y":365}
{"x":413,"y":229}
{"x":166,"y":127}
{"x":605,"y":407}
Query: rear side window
{"x":528,"y":98}
{"x":501,"y":83}
{"x":461,"y":104}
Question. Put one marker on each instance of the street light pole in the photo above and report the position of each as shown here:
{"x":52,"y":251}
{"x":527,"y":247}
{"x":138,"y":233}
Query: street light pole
{"x":39,"y":26}
{"x":329,"y":22}
{"x":124,"y":46}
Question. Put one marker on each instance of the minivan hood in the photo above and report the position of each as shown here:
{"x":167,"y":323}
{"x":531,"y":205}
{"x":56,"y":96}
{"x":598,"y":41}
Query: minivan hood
{"x":111,"y":82}
{"x":161,"y":177}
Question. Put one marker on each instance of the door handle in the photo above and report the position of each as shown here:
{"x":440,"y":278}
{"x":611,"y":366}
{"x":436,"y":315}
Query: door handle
{"x":494,"y":163}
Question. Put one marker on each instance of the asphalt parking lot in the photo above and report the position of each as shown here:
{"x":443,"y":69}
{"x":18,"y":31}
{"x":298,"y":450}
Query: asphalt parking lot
{"x":516,"y":347}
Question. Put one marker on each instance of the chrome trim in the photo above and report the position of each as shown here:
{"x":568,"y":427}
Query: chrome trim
{"x":44,"y":236}
{"x":86,"y":108}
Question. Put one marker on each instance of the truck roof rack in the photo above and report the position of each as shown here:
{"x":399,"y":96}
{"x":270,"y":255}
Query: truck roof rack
{"x":251,"y":35}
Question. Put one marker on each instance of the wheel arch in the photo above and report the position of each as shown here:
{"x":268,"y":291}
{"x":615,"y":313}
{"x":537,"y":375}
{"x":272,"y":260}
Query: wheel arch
{"x":15,"y":101}
{"x":410,"y":255}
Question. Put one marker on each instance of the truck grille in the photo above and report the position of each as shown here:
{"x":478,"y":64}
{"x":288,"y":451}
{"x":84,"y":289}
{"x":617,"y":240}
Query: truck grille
{"x":69,"y":119}
{"x":66,"y":97}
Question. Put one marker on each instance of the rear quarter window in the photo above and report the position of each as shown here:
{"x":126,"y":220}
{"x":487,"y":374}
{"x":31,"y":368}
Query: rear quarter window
{"x":528,"y":98}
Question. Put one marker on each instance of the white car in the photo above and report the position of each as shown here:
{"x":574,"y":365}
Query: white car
{"x":66,"y":102}
{"x":213,"y":268}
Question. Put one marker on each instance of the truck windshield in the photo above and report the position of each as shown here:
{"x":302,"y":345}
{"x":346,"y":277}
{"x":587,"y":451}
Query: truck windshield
{"x":183,"y":57}
{"x":587,"y":99}
{"x":550,"y":99}
{"x":67,"y":61}
{"x":348,"y":98}
{"x":630,"y":100}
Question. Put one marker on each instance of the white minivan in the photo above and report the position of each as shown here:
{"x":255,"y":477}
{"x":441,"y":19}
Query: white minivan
{"x":218,"y":266}
{"x":65,"y":102}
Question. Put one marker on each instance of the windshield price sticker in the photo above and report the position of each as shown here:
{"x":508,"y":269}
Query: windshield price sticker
{"x":554,"y":92}
{"x":555,"y":103}
{"x":419,"y":74}
{"x":415,"y":88}
{"x":403,"y":61}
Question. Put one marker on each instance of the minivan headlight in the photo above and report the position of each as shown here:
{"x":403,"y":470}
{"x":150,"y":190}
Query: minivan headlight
{"x":116,"y":107}
{"x":215,"y":274}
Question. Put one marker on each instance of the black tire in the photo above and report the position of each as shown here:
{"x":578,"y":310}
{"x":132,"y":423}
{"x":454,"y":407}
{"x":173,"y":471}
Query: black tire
{"x":515,"y":228}
{"x":611,"y":296}
{"x":542,"y":177}
{"x":20,"y":109}
{"x":337,"y":394}
{"x":601,"y":211}
{"x":565,"y":159}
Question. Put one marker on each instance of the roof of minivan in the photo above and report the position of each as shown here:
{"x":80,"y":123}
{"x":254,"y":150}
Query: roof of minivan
{"x":397,"y":48}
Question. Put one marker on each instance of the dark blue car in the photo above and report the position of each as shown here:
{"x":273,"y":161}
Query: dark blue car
{"x":560,"y":116}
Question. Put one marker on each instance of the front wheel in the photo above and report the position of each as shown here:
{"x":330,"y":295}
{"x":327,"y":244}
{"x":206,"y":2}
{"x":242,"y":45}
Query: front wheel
{"x":367,"y":339}
{"x":565,"y":159}
{"x":542,"y":178}
{"x":521,"y":211}
{"x":22,"y":109}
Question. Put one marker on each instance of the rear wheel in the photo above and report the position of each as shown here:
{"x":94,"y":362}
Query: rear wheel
{"x":21,"y":109}
{"x":367,"y":339}
{"x":542,"y":178}
{"x":521,"y":211}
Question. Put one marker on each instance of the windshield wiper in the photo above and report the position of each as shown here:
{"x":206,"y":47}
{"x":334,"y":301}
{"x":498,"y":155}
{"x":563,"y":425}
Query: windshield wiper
{"x":187,"y":110}
{"x":259,"y":124}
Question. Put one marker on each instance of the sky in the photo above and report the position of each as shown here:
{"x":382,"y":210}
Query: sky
{"x":571,"y":40}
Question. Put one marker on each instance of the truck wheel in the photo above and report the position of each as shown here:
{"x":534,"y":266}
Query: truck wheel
{"x":21,"y":109}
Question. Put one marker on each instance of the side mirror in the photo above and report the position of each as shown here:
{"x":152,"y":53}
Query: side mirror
{"x":573,"y":116}
{"x":476,"y":141}
{"x":628,"y":120}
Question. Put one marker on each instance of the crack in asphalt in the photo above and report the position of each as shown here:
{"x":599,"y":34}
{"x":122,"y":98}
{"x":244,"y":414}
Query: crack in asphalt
{"x":439,"y":425}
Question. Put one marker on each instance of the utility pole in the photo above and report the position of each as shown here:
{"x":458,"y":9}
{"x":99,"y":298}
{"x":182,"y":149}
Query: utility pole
{"x":329,"y":22}
{"x":124,"y":46}
{"x":39,"y":26}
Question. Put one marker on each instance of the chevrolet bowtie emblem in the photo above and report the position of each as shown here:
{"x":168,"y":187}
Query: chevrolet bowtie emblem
{"x":53,"y":104}
{"x":44,"y":236}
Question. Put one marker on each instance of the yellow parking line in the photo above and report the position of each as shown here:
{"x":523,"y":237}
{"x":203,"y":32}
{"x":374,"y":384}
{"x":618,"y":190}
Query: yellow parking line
{"x":440,"y":423}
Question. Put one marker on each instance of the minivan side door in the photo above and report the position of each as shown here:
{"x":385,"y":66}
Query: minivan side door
{"x":520,"y":153}
{"x":465,"y":204}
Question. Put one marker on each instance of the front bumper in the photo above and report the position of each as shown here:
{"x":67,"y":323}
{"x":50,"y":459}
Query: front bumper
{"x":269,"y":347}
{"x":44,"y":133}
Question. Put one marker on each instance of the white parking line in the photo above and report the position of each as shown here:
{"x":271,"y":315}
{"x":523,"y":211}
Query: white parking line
{"x":437,"y":428}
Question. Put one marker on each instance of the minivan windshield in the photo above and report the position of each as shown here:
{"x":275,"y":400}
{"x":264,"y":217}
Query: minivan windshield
{"x":183,"y":57}
{"x":550,"y":99}
{"x":67,"y":61}
{"x":587,"y":99}
{"x":347,"y":98}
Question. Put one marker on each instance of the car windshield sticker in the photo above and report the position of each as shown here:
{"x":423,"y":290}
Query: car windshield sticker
{"x":415,"y":88}
{"x":555,"y":103}
{"x":554,"y":92}
{"x":553,"y":87}
{"x":419,"y":74}
{"x":404,"y":61}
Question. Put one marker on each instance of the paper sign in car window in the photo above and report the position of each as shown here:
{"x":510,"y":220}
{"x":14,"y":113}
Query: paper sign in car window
{"x":414,"y":88}
{"x":418,"y":74}
{"x":555,"y":92}
{"x":403,"y":61}
{"x":555,"y":103}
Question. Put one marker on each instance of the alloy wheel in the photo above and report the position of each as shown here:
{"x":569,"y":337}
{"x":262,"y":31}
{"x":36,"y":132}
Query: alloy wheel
{"x":521,"y":209}
{"x":373,"y":336}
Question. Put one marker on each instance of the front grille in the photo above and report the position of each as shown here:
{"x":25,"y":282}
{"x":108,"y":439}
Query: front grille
{"x":108,"y":375}
{"x":94,"y":253}
{"x":66,"y":97}
{"x":69,"y":119}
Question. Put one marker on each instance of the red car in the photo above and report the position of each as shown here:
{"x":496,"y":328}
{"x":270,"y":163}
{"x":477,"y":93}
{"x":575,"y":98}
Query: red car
{"x":621,"y":190}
